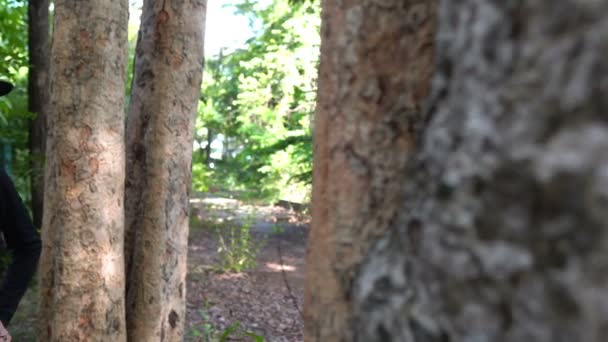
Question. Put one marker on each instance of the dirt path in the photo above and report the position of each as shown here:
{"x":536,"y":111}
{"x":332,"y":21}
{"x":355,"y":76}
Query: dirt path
{"x":266,"y":300}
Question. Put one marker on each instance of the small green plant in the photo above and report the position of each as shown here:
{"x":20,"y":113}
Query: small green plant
{"x":235,"y":328}
{"x":207,"y":332}
{"x":237,"y":247}
{"x":277,"y":229}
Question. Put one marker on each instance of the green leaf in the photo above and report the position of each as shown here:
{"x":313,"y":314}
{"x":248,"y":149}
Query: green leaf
{"x":257,"y":338}
{"x":229,"y":330}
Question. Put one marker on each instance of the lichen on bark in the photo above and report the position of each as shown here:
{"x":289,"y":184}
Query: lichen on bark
{"x":502,"y":234}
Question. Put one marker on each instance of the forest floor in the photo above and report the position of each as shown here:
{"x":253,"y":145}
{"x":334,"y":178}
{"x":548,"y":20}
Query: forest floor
{"x":264,"y":301}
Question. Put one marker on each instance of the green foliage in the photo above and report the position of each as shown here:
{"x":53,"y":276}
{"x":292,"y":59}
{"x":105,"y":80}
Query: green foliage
{"x":257,"y":104}
{"x":13,"y":37}
{"x":200,"y":177}
{"x":277,"y":229}
{"x":13,"y":108}
{"x":205,"y":331}
{"x":13,"y":48}
{"x":14,"y":115}
{"x":14,"y":133}
{"x":235,"y":329}
{"x":130,"y":67}
{"x":229,"y":330}
{"x":237,"y":247}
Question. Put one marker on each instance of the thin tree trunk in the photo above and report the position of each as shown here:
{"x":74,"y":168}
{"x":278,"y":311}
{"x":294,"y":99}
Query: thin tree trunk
{"x":208,"y":147}
{"x":160,"y":130}
{"x":503,"y":233}
{"x":376,"y":66}
{"x":38,"y":46}
{"x":82,"y":264}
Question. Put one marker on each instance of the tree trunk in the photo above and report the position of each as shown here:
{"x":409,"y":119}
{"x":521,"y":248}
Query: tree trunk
{"x":208,"y":148}
{"x":38,"y":47}
{"x":82,"y":265}
{"x":160,"y":130}
{"x":503,"y":233}
{"x":375,"y":71}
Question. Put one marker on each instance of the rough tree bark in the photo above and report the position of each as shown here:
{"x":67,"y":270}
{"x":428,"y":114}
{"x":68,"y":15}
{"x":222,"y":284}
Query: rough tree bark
{"x":160,"y":128}
{"x":38,"y":47}
{"x":503,"y":233}
{"x":82,"y":264}
{"x":376,"y":66}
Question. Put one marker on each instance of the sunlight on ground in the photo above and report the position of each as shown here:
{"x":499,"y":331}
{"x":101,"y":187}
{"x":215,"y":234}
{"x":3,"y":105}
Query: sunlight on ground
{"x":278,"y":267}
{"x":231,"y":276}
{"x":214,"y":201}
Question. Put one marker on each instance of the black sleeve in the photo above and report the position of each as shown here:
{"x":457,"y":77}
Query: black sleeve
{"x":23,"y":241}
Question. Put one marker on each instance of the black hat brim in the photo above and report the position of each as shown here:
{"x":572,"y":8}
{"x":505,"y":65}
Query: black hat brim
{"x":5,"y":88}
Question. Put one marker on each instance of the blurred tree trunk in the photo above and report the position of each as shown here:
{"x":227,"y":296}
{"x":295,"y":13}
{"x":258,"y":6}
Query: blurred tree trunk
{"x":38,"y":47}
{"x":503,"y":230}
{"x":208,"y":147}
{"x":82,"y":265}
{"x":375,"y":71}
{"x":160,"y":130}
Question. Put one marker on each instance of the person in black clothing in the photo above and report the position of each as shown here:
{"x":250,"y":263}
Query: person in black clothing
{"x":22,"y":240}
